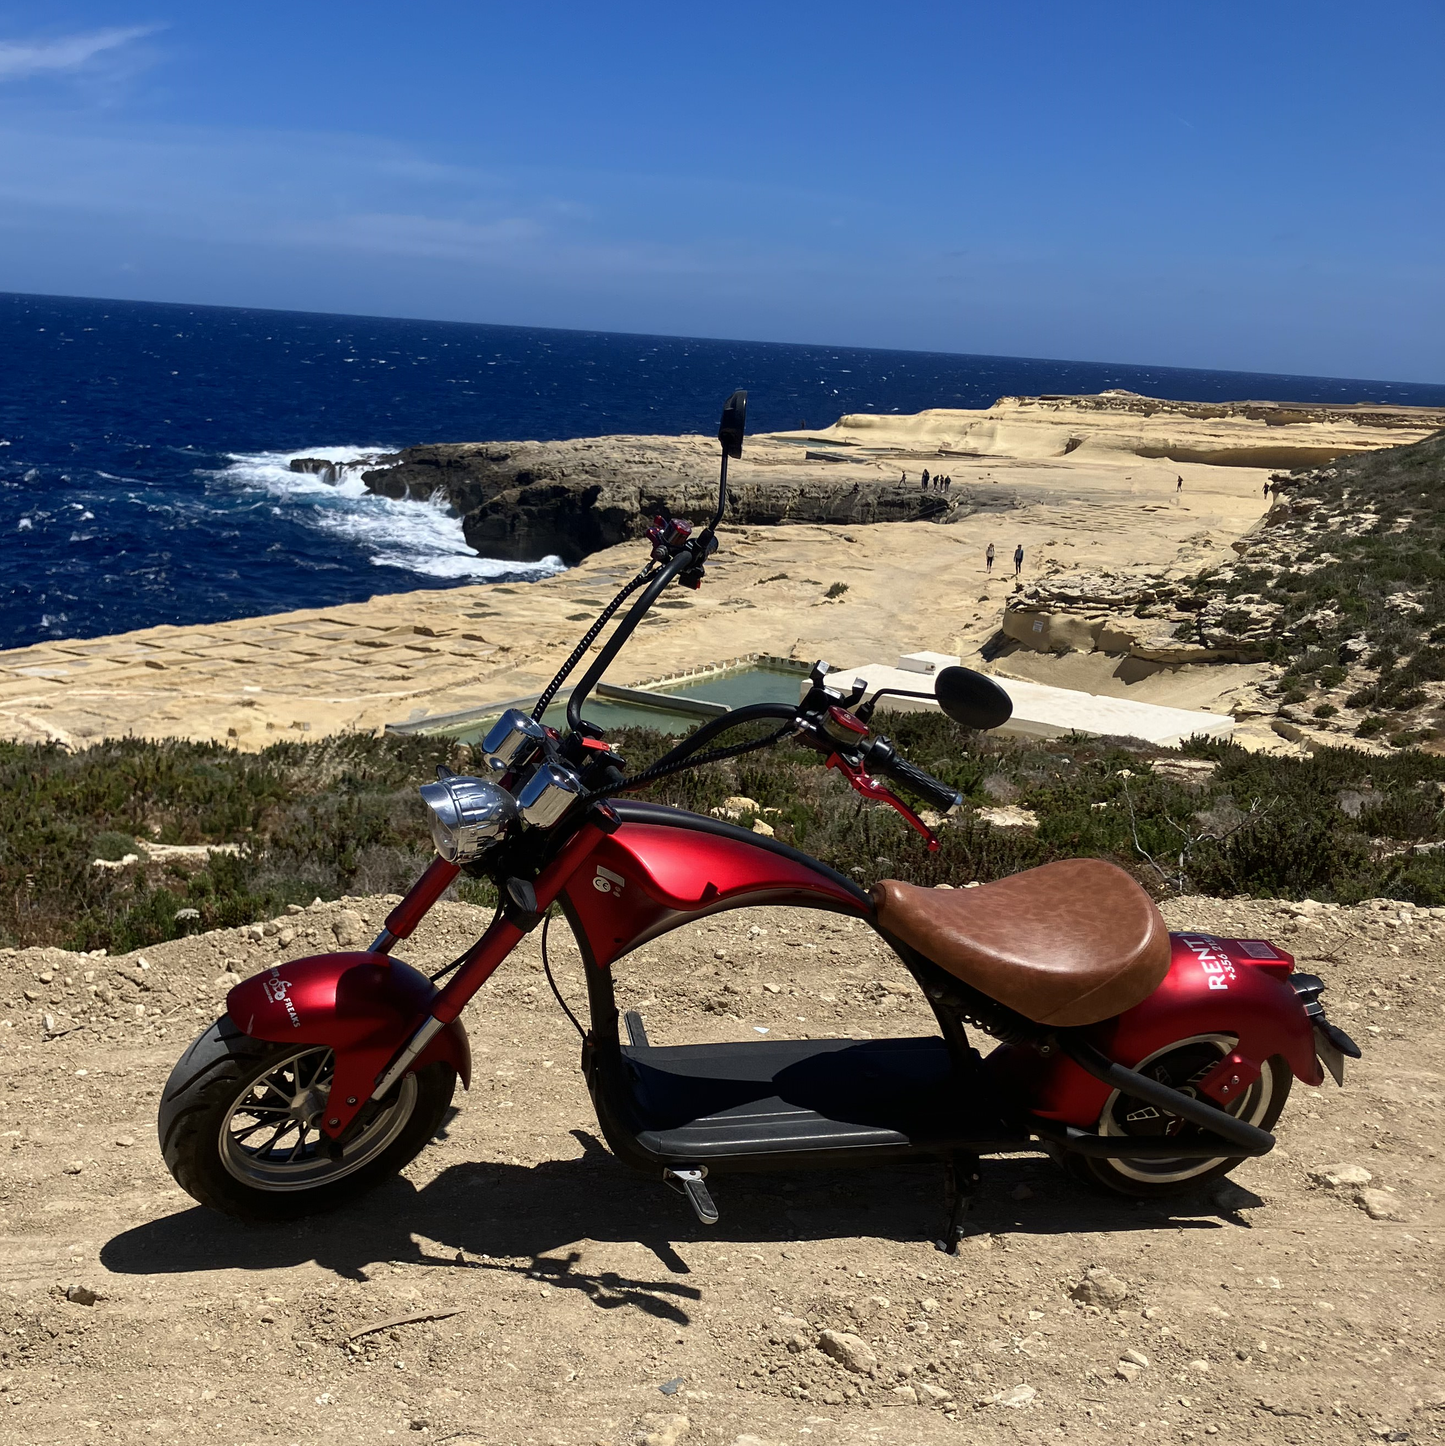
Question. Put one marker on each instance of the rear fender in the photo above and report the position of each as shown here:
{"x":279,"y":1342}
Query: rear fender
{"x":1232,"y":987}
{"x":364,"y":1006}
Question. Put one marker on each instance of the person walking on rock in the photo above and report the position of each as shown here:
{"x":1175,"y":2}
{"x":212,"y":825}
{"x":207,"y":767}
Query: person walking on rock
{"x":988,"y":560}
{"x":1018,"y":559}
{"x":1178,"y":486}
{"x":925,"y":476}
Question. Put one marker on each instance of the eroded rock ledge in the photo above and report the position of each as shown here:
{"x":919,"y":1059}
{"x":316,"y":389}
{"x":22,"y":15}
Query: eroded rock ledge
{"x":522,"y":501}
{"x":1218,"y":434}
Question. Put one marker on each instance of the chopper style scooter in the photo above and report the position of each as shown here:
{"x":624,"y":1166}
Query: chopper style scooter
{"x":1143,"y":1061}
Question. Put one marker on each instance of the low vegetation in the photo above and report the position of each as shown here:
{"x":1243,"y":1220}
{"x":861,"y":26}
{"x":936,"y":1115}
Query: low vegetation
{"x":1351,"y":582}
{"x":341,"y":816}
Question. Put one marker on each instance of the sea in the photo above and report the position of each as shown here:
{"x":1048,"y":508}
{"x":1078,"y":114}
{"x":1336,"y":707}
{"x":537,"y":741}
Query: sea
{"x":144,"y":447}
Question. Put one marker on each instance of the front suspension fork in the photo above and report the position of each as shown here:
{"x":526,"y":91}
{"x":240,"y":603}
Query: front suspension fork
{"x":478,"y":964}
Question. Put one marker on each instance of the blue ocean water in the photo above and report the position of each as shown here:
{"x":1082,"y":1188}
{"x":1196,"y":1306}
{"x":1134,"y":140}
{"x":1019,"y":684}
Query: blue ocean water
{"x":143,"y":447}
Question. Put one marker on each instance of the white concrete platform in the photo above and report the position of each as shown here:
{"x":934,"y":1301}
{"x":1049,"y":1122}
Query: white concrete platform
{"x":1044,"y":712}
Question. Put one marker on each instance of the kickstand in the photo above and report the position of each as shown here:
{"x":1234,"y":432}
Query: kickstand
{"x":960,"y":1187}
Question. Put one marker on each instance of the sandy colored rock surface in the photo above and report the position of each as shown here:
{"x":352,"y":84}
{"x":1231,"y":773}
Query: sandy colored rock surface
{"x":1273,"y":1309}
{"x":1245,"y":434}
{"x":405,"y":656}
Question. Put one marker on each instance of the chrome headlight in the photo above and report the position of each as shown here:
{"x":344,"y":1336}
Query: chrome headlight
{"x":466,"y":815}
{"x":548,"y":794}
{"x":512,"y":740}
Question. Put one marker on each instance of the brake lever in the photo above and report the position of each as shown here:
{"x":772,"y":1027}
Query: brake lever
{"x":861,"y":782}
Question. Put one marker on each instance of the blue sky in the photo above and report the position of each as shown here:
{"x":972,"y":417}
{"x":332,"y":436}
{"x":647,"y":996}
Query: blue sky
{"x":1257,"y":186}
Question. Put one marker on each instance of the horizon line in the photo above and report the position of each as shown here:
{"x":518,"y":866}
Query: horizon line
{"x":739,"y":341}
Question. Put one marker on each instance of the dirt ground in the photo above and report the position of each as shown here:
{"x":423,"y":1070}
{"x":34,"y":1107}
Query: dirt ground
{"x":589,"y":1307}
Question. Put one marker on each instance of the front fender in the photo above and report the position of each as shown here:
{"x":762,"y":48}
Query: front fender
{"x":1214,"y":986}
{"x":364,"y":1006}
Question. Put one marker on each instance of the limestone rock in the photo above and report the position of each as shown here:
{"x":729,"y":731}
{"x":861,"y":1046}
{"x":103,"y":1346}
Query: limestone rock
{"x":1100,"y":1287}
{"x":522,"y":501}
{"x":849,"y":1350}
{"x":664,"y":1430}
{"x":1342,"y":1176}
{"x":1379,"y":1205}
{"x":1016,"y":1396}
{"x":349,"y":929}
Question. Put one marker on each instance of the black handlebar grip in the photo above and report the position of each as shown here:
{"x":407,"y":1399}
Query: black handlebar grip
{"x":915,"y":780}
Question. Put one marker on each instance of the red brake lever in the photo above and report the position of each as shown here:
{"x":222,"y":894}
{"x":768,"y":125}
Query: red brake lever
{"x":869,"y":787}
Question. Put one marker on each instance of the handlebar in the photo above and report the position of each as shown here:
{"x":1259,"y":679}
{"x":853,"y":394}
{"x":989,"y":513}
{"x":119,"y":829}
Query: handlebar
{"x":882,"y":757}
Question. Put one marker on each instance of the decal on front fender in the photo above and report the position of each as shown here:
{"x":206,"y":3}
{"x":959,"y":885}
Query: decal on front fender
{"x":277,"y":990}
{"x":1218,"y":967}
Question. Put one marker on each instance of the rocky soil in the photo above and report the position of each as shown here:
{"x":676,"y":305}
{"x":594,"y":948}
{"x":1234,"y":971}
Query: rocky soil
{"x":518,"y":1285}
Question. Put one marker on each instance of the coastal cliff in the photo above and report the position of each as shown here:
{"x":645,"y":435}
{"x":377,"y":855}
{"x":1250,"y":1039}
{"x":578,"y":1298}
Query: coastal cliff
{"x":522,"y":501}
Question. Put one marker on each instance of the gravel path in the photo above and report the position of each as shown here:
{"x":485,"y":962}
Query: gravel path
{"x":518,"y":1285}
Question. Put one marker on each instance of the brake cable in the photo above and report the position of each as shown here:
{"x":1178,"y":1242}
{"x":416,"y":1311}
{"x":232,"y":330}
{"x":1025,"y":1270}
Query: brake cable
{"x":462,"y":957}
{"x":557,"y":993}
{"x":693,"y":760}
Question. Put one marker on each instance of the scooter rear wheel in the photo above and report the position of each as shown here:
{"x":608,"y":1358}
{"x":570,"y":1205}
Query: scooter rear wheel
{"x":1180,"y":1064}
{"x":238,"y":1126}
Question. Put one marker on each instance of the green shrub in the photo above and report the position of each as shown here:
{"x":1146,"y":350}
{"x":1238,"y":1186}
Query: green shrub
{"x":341,"y":816}
{"x":112,"y":846}
{"x":1326,"y":710}
{"x":837,"y":590}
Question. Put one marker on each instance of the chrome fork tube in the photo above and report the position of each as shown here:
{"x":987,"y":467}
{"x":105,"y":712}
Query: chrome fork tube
{"x":431,"y":1026}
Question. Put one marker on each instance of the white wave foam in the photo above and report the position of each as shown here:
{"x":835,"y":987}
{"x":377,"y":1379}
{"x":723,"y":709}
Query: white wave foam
{"x":420,"y":537}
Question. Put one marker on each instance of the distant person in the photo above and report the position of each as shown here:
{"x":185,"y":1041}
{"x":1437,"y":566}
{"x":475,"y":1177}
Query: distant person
{"x":1178,"y":486}
{"x":988,"y":560}
{"x":925,"y":476}
{"x":948,"y":484}
{"x":1266,"y":491}
{"x":1018,"y":559}
{"x":903,"y":479}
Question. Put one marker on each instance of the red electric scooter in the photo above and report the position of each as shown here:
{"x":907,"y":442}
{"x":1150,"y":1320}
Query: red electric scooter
{"x":1144,"y":1061}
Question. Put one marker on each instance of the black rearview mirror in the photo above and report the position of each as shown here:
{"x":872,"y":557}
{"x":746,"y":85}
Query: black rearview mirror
{"x":734,"y":424}
{"x":972,"y":700}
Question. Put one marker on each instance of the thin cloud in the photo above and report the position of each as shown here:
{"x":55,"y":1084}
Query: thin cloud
{"x":22,"y":58}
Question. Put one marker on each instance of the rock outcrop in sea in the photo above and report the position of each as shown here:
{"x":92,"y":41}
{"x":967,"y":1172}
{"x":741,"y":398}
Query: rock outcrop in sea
{"x":522,"y":501}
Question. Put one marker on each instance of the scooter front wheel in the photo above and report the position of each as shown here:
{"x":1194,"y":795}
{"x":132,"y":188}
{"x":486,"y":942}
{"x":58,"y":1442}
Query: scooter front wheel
{"x":1180,"y":1065}
{"x":239,"y":1126}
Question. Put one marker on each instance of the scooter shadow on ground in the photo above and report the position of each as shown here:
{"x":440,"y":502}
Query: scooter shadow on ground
{"x":537,"y":1214}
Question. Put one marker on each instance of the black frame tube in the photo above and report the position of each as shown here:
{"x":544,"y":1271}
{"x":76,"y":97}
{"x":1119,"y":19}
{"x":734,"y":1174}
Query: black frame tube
{"x":1240,"y":1136}
{"x":621,"y":633}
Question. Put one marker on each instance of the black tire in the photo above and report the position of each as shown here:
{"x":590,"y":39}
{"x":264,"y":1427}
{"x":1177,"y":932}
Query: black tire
{"x":1178,"y":1064}
{"x":226,"y":1078}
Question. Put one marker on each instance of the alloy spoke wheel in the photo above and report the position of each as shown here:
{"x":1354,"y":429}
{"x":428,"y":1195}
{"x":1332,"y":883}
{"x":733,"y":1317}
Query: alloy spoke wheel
{"x":271,"y":1136}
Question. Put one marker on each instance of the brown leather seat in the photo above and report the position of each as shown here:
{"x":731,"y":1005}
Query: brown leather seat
{"x":1065,"y":944}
